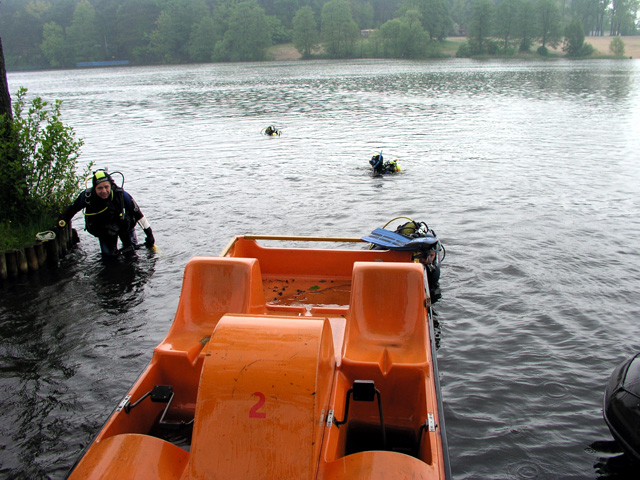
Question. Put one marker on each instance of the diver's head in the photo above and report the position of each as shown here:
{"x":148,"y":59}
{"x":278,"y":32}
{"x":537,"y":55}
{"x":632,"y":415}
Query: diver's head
{"x":102,"y":183}
{"x":427,"y":256}
{"x":376,"y":160}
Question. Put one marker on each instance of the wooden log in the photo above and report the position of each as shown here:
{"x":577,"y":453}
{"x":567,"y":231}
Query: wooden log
{"x":32,"y":258}
{"x":41,"y":253}
{"x":12,"y":264}
{"x":3,"y":267}
{"x":21,"y":259}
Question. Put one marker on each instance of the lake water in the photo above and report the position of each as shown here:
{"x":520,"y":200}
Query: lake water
{"x":528,"y":171}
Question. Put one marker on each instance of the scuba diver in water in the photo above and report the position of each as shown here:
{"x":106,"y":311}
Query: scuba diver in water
{"x":381,"y":167}
{"x":271,"y":131}
{"x":428,"y":259}
{"x":428,"y":254}
{"x":110,"y":213}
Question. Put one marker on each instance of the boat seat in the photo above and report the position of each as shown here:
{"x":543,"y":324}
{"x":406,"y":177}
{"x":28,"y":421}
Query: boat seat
{"x":212,"y":287}
{"x":131,"y":457}
{"x":387,"y":321}
{"x":372,"y":465}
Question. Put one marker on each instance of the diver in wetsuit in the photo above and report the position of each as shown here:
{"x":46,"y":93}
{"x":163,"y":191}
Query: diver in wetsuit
{"x":271,"y":131}
{"x":427,"y":255}
{"x":381,"y":167}
{"x":377,"y":162}
{"x":110,"y":213}
{"x":428,"y":259}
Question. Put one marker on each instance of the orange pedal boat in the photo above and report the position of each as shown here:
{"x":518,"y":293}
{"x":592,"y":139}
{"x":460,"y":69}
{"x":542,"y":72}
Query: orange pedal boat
{"x":286,"y":363}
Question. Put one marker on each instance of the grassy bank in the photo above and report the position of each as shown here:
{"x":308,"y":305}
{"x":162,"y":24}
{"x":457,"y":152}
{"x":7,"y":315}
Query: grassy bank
{"x":14,"y":236}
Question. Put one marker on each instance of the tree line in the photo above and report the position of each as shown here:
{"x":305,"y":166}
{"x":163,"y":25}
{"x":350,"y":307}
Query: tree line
{"x":61,"y":33}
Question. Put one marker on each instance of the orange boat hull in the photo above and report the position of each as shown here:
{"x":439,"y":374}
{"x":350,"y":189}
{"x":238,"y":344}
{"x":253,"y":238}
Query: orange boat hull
{"x":285,"y":363}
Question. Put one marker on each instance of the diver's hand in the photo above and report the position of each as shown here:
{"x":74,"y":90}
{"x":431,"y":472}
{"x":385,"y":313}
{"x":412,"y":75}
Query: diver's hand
{"x":150,"y":241}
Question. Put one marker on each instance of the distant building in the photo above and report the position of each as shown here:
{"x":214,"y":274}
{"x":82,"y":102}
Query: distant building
{"x":365,"y":33}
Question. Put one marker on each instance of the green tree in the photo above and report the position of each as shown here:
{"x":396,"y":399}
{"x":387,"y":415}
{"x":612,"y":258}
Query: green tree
{"x":526,"y":26}
{"x":203,"y":40}
{"x":549,"y":24}
{"x":12,"y":179}
{"x":169,"y":42}
{"x":339,"y":31}
{"x":573,"y":38}
{"x":305,"y":31}
{"x":404,"y":37}
{"x":53,"y":46}
{"x":434,"y":15}
{"x":436,"y":19}
{"x":617,"y":47}
{"x":362,"y":13}
{"x":285,"y":10}
{"x":83,"y":43}
{"x":481,"y":26}
{"x":134,"y":22}
{"x":507,"y":21}
{"x":247,"y":36}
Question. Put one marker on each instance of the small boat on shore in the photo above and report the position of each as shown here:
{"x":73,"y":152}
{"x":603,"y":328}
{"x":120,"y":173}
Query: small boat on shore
{"x":621,"y":401}
{"x":286,"y":362}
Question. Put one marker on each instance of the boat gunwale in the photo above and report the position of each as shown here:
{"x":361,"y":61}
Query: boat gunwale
{"x":291,"y":238}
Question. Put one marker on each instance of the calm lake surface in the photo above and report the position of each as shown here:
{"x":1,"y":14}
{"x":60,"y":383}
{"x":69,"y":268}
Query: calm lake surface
{"x":528,"y":171}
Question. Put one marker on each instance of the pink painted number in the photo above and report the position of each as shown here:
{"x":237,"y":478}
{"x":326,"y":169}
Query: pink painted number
{"x":254,"y":413}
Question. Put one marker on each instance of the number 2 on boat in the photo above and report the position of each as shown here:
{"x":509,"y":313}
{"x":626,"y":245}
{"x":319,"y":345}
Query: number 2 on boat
{"x":254,"y":413}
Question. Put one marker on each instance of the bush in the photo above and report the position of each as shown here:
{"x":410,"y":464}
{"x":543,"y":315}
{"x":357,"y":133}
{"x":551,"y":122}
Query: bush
{"x":464,"y":50}
{"x":617,"y":47}
{"x":38,"y":169}
{"x":542,"y":51}
{"x":586,"y":50}
{"x":48,"y":154}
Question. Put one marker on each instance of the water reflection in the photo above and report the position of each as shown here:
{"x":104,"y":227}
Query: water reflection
{"x":119,"y":283}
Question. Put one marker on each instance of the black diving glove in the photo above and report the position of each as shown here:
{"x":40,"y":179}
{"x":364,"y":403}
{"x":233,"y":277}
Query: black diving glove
{"x":150,"y":241}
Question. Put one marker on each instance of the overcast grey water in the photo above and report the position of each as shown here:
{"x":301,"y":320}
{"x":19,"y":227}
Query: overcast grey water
{"x":529,"y":172}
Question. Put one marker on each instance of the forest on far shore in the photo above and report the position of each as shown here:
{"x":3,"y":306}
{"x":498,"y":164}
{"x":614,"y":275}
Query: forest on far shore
{"x":64,"y":33}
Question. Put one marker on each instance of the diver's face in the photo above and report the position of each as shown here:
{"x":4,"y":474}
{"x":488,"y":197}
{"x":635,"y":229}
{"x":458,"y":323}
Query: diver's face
{"x":103,"y":190}
{"x":428,"y":257}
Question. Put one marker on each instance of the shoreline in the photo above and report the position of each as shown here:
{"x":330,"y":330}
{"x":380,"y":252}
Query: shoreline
{"x":287,"y":52}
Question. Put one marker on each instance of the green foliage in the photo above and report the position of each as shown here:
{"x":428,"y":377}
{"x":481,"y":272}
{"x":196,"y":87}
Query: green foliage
{"x":18,"y":234}
{"x":464,"y":50}
{"x":526,"y":25}
{"x":58,"y":33}
{"x":573,"y":38}
{"x":53,"y":45}
{"x":404,"y":37}
{"x":42,"y":160}
{"x":339,"y":31}
{"x":481,"y":26}
{"x":586,"y":50}
{"x":169,"y":42}
{"x":305,"y":31}
{"x":279,"y":34}
{"x":247,"y":36}
{"x":617,"y":47}
{"x":203,"y":39}
{"x":548,"y":23}
{"x":81,"y":34}
{"x":506,"y":23}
